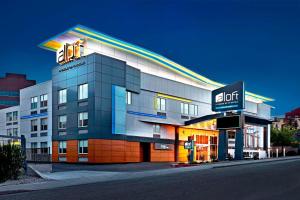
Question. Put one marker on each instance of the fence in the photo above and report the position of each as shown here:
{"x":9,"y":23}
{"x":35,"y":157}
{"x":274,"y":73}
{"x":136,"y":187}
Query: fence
{"x":38,"y":155}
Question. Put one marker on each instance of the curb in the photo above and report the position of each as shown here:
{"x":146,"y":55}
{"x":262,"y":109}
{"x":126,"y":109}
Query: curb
{"x":258,"y":162}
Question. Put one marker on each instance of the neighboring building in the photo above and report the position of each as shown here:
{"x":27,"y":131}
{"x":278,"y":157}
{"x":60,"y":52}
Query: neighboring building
{"x":278,"y":122}
{"x":10,"y":124}
{"x":10,"y":86}
{"x":291,"y":118}
{"x":115,"y":102}
{"x":36,"y":117}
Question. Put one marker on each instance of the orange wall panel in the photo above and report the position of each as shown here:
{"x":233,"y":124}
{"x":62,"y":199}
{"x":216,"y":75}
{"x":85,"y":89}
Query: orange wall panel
{"x":55,"y":151}
{"x":72,"y":151}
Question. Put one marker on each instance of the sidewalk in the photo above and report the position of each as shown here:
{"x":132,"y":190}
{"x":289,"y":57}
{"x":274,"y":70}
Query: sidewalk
{"x":69,"y":178}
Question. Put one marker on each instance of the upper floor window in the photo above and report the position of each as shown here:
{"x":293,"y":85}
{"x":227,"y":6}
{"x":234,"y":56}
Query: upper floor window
{"x":184,"y":108}
{"x":62,"y":96}
{"x":9,"y":117}
{"x":62,"y":121}
{"x":193,"y":110}
{"x":83,"y":146}
{"x":34,"y":126}
{"x":156,"y":128}
{"x":44,"y":100}
{"x":161,"y":104}
{"x":9,"y":132}
{"x":34,"y":101}
{"x":15,"y":116}
{"x":128,"y":97}
{"x":15,"y":131}
{"x":83,"y":119}
{"x":62,"y":148}
{"x":44,"y":124}
{"x":83,"y":91}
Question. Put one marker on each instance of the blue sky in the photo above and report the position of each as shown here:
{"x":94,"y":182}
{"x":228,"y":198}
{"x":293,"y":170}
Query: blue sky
{"x":227,"y":41}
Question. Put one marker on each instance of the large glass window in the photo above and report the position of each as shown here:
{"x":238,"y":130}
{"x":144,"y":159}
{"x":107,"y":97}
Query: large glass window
{"x":34,"y":101}
{"x":62,"y":96}
{"x":44,"y":124}
{"x":83,"y":119}
{"x":83,"y":146}
{"x":161,"y":104}
{"x":83,"y":91}
{"x":34,"y":147}
{"x":128,"y":97}
{"x":62,"y":147}
{"x":62,"y":121}
{"x":34,"y":126}
{"x":44,"y":100}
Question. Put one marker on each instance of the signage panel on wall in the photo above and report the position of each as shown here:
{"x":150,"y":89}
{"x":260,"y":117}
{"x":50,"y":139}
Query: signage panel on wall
{"x":230,"y":97}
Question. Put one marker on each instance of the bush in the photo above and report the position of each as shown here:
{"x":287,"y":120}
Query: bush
{"x":11,"y":162}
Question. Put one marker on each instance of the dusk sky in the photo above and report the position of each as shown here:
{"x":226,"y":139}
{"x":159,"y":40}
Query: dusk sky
{"x":255,"y":41}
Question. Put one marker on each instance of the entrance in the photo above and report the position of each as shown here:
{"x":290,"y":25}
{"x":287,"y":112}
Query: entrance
{"x":145,"y":151}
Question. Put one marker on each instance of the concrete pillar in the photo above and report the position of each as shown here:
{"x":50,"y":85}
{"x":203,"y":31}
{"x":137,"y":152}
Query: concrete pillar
{"x":239,"y":144}
{"x":276,"y":152}
{"x":223,"y":145}
{"x":283,"y":152}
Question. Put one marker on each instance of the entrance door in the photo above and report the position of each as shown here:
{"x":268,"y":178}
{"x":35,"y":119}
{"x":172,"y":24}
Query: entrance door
{"x":145,"y":151}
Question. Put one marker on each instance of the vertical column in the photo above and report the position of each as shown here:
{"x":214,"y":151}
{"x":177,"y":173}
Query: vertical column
{"x":239,"y":144}
{"x":223,"y":145}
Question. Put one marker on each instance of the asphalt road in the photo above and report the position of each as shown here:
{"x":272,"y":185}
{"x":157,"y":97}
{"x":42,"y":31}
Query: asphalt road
{"x":277,"y":180}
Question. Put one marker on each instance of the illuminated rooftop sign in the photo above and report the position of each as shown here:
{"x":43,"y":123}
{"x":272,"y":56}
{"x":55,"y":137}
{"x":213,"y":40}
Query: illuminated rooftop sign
{"x":69,"y":52}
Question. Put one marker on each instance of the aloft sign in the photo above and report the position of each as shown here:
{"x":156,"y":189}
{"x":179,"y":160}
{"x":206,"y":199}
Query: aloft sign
{"x":230,"y":97}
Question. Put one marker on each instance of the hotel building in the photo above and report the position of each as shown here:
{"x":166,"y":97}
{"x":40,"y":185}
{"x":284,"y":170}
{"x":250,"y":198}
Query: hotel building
{"x":115,"y":102}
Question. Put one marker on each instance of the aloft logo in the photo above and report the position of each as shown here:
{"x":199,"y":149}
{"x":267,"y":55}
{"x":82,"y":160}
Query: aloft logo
{"x":227,"y":97}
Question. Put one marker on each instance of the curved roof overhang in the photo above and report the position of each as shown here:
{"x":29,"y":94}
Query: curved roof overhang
{"x":82,"y":32}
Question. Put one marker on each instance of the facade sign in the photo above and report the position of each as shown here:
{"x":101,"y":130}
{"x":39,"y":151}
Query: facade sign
{"x":188,"y":145}
{"x":230,"y":97}
{"x":70,"y":52}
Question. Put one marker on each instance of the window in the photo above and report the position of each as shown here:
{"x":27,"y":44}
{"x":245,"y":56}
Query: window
{"x":44,"y":100}
{"x":34,"y":126}
{"x":83,"y":91}
{"x":34,"y":101}
{"x":62,"y":96}
{"x":161,"y":104}
{"x":83,"y":119}
{"x":44,"y":124}
{"x":15,"y":131}
{"x":9,"y":117}
{"x":15,"y":116}
{"x":62,"y":147}
{"x":44,"y":147}
{"x":62,"y":121}
{"x":184,"y":108}
{"x":156,"y":128}
{"x":9,"y":132}
{"x":33,"y":147}
{"x":193,"y":110}
{"x":128,"y":97}
{"x":83,"y":146}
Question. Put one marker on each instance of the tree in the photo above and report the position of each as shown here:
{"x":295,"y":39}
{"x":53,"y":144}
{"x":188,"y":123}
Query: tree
{"x":283,"y":137}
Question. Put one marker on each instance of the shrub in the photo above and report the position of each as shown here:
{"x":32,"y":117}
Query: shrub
{"x":11,"y":162}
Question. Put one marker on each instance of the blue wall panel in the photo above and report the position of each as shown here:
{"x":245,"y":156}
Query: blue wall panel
{"x":118,"y":110}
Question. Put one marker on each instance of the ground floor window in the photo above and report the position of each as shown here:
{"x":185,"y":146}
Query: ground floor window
{"x":62,"y":147}
{"x":83,"y":147}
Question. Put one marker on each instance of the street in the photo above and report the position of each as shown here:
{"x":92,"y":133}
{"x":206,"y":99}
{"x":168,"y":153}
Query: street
{"x":275,"y":180}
